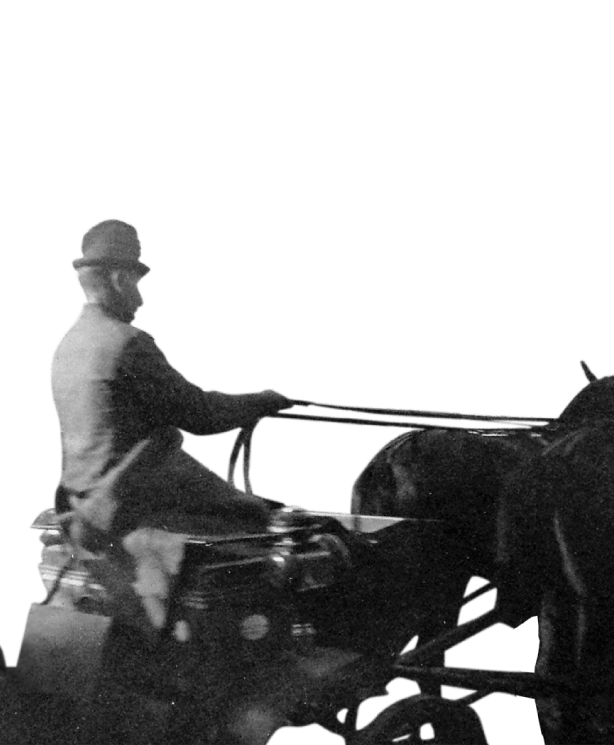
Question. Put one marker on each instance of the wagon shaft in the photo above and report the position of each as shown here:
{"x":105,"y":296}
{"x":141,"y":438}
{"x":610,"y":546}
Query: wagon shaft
{"x":485,"y":681}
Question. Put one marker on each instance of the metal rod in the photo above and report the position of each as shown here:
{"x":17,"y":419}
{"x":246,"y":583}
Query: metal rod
{"x":195,"y":539}
{"x":477,"y":593}
{"x":460,"y":634}
{"x":463,"y":416}
{"x":528,"y":685}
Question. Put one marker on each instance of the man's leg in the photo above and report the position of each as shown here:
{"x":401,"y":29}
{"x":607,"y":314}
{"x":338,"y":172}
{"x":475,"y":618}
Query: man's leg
{"x":194,"y":498}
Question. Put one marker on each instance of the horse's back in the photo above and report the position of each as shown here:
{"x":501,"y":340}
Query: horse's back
{"x":439,"y":473}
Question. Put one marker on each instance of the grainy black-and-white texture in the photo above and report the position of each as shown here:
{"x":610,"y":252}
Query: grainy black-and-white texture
{"x":558,"y":539}
{"x":535,"y":513}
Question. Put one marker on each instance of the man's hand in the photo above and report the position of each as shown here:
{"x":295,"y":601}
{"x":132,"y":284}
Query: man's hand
{"x":276,"y":401}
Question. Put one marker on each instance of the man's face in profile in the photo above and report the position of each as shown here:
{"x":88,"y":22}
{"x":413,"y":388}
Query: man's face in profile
{"x":129,"y":293}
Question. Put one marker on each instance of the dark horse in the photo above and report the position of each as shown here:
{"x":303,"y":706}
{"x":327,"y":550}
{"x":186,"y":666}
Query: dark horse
{"x":454,"y":476}
{"x":536,"y":513}
{"x":556,"y":542}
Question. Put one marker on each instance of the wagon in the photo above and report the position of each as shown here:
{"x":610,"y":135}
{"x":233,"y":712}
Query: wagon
{"x":313,"y":618}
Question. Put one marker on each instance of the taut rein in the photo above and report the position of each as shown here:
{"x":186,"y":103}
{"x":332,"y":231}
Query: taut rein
{"x":373,"y":416}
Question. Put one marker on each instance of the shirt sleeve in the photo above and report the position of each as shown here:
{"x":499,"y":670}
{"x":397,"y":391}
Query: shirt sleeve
{"x":167,"y":398}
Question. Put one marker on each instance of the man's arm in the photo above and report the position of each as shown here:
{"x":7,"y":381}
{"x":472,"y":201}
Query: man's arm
{"x":169,"y":399}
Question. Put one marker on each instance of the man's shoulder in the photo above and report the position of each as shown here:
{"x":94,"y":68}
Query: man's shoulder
{"x":97,"y":330}
{"x":143,"y":336}
{"x":142,"y":345}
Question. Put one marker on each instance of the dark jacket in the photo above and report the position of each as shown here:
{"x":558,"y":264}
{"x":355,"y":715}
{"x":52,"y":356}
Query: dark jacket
{"x":121,"y":406}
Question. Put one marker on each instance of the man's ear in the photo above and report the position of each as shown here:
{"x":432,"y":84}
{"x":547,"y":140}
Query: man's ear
{"x":118,"y":280}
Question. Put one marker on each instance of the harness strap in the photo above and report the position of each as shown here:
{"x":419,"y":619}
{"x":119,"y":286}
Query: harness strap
{"x":243,"y":442}
{"x":564,"y":445}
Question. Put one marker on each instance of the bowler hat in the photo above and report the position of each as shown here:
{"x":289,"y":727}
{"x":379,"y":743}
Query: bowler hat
{"x":112,"y":243}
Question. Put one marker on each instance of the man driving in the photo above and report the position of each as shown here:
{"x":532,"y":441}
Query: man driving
{"x":121,"y":407}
